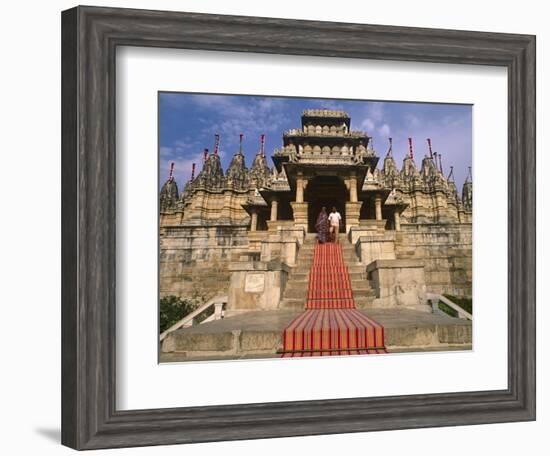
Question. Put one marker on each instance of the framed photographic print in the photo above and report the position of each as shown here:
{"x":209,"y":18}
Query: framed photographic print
{"x":278,"y":228}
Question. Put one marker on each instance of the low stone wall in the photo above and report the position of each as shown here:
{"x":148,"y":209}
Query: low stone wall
{"x":446,"y":251}
{"x":399,"y":284}
{"x":193,"y":260}
{"x":256,"y":285}
{"x":377,"y":247}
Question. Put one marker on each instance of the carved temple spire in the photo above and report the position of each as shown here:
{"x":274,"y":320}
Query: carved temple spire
{"x":451,"y":183}
{"x":450,"y":177}
{"x":467,"y":191}
{"x":211,"y":175}
{"x":169,"y":191}
{"x":237,"y":173}
{"x":429,"y":168}
{"x":259,"y":172}
{"x":389,"y":173}
{"x":409,"y":169}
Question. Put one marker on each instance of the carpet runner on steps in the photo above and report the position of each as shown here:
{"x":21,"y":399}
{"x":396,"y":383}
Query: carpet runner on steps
{"x":331,"y":325}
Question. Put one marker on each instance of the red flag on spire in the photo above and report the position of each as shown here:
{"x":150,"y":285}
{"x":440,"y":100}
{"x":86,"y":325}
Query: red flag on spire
{"x":430,"y":147}
{"x":216,"y":144}
{"x":205,"y":156}
{"x":193,"y":171}
{"x":411,"y":148}
{"x":171,"y":177}
{"x":263,"y":143}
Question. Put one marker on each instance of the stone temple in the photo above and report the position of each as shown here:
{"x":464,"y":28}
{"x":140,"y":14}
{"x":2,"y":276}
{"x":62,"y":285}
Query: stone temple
{"x":247,"y":234}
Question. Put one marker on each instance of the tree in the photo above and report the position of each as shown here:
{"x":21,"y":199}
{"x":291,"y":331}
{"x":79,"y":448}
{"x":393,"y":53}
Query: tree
{"x":173,"y":309}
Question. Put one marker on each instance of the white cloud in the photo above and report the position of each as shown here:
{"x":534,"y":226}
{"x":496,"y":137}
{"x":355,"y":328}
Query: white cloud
{"x":251,"y":116}
{"x":375,"y":111}
{"x":166,"y":151}
{"x":412,"y":121}
{"x":367,"y":125}
{"x":384,"y":130}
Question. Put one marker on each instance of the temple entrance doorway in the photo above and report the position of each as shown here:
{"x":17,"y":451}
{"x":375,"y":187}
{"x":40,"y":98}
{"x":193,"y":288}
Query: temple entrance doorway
{"x":325,"y":191}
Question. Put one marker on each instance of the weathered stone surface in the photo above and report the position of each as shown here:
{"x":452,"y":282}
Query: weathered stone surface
{"x":256,"y":285}
{"x":399,"y":283}
{"x":376,"y":247}
{"x":446,"y":251}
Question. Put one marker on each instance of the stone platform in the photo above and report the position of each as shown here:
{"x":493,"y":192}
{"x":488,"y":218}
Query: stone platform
{"x":259,"y":334}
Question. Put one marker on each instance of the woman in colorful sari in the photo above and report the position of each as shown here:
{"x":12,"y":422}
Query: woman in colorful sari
{"x":321,"y":225}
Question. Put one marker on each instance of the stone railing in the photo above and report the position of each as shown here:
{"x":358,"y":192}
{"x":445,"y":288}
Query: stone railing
{"x":325,"y":113}
{"x":298,"y":132}
{"x":190,"y":320}
{"x":434,"y":300}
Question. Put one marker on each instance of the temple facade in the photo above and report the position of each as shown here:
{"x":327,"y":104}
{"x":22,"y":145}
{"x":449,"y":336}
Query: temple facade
{"x":239,"y":231}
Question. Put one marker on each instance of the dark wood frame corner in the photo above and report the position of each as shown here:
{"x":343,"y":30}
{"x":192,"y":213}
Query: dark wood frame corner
{"x":90,"y":37}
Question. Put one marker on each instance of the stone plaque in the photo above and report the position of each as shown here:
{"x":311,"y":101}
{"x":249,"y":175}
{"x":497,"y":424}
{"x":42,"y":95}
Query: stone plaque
{"x":254,"y":283}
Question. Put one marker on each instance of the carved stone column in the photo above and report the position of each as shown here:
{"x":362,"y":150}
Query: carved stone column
{"x":300,"y":186}
{"x":353,"y":209}
{"x":378,"y":207}
{"x":299,"y":211}
{"x":397,"y":220}
{"x":274,"y":209}
{"x":254,"y":220}
{"x":352,"y":188}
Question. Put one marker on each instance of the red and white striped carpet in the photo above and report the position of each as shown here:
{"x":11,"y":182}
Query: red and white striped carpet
{"x":331,"y":325}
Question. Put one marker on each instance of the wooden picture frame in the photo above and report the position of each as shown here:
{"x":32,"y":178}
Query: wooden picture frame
{"x":90,"y":37}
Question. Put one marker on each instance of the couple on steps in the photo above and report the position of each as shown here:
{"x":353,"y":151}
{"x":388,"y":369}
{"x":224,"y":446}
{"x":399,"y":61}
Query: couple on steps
{"x":328,"y":225}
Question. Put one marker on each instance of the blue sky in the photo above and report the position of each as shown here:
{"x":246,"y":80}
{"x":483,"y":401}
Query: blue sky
{"x":188,"y":123}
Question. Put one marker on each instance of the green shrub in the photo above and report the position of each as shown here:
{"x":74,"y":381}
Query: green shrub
{"x":173,"y":309}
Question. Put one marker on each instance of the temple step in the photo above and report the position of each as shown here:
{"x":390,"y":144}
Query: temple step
{"x":306,"y":258}
{"x":356,"y":284}
{"x":301,"y":277}
{"x":292,"y":304}
{"x":296,"y":293}
{"x":330,"y":324}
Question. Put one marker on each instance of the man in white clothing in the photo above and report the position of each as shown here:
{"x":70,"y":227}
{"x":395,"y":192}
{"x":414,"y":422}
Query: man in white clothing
{"x":334,"y":220}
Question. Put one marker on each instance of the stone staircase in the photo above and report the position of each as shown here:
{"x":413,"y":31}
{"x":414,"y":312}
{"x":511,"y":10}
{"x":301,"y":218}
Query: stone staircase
{"x":294,"y":297}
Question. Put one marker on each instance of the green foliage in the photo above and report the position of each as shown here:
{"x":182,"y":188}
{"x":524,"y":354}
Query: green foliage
{"x":173,"y":309}
{"x":463,"y":302}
